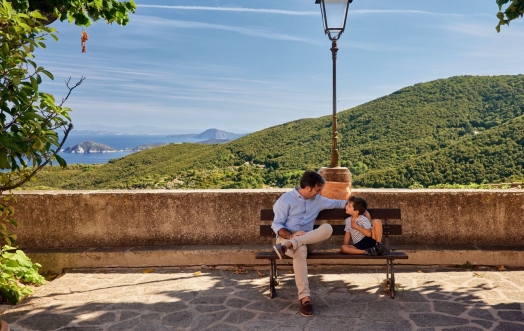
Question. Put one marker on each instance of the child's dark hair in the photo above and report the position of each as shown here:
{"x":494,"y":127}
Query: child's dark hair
{"x":358,"y":203}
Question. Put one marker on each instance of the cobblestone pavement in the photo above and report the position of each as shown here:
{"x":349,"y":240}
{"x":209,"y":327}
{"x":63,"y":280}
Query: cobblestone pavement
{"x":344,"y":299}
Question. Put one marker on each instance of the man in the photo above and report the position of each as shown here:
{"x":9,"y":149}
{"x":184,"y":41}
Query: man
{"x":295,"y":214}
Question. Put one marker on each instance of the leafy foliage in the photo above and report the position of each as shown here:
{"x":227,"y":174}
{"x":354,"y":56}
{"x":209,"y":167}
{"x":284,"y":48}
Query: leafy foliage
{"x":30,"y":118}
{"x":514,"y":10}
{"x":82,"y":12}
{"x":16,"y":269}
{"x":459,"y":130}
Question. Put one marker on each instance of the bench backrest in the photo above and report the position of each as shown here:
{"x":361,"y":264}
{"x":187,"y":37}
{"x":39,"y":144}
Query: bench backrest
{"x":340,"y":214}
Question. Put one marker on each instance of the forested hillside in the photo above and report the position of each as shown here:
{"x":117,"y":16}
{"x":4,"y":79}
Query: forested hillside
{"x":462,"y":130}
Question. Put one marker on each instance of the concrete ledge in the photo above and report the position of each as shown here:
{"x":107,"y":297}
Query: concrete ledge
{"x":56,"y":260}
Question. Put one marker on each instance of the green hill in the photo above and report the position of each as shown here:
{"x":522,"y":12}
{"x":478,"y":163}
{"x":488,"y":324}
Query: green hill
{"x":457,"y":130}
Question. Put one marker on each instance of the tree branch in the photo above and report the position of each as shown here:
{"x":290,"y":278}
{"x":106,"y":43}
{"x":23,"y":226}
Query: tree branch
{"x":47,"y":120}
{"x":48,"y":159}
{"x":71,"y":88}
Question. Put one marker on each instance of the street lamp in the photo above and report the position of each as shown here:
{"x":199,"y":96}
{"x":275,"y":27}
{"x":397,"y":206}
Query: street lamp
{"x":338,"y":179}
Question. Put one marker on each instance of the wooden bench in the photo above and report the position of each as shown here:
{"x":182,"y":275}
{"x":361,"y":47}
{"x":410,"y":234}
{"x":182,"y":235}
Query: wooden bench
{"x":338,"y":230}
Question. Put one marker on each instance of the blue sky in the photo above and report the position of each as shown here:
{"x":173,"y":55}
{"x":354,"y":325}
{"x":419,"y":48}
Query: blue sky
{"x":243,"y":66}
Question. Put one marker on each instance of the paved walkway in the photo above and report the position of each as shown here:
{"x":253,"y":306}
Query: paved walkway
{"x":344,"y":299}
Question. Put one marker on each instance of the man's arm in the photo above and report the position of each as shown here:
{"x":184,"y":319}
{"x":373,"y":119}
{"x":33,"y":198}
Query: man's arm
{"x":332,"y":203}
{"x":281,"y":211}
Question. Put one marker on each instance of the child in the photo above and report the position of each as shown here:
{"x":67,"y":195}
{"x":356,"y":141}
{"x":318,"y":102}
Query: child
{"x":366,"y":237}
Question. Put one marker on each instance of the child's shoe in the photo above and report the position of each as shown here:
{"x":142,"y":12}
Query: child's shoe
{"x":371,"y":251}
{"x":380,"y":248}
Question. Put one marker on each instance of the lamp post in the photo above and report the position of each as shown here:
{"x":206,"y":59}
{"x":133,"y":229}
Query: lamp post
{"x":338,"y":179}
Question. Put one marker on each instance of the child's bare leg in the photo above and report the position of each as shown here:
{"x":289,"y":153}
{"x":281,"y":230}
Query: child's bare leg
{"x":376,"y":230}
{"x":350,"y":249}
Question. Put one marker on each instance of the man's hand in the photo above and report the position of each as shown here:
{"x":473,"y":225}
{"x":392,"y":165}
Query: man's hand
{"x":284,"y":233}
{"x":366,"y":214}
{"x":298,"y":234}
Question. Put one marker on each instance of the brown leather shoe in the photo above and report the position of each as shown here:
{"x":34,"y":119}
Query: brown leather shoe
{"x":306,"y":308}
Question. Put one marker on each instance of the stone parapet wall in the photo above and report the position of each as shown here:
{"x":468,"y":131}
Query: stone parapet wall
{"x":73,"y":219}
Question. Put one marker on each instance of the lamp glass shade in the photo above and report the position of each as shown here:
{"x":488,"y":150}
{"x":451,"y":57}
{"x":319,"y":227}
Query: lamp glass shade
{"x":334,"y":14}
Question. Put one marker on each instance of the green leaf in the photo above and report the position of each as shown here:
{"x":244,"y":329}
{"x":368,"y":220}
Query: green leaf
{"x":34,"y":83}
{"x":38,"y":145}
{"x":4,"y":164}
{"x":25,"y":26}
{"x":48,"y":74}
{"x":61,"y":161}
{"x":5,"y":49}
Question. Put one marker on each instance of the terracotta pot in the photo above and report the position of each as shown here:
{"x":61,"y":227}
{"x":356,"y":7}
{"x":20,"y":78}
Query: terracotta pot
{"x":338,"y":182}
{"x":336,"y":190}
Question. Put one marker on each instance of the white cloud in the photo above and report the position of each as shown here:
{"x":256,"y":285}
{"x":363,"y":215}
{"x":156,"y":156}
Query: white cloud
{"x":234,"y":9}
{"x":304,"y":13}
{"x":400,"y":11}
{"x":254,"y":32}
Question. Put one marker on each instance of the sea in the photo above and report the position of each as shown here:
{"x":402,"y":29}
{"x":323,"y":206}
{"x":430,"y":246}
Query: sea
{"x":117,"y":141}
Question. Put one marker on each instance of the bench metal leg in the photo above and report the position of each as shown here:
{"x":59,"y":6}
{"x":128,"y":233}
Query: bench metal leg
{"x":390,"y":269}
{"x":387,"y":269}
{"x":275,"y":272}
{"x":272,"y":278}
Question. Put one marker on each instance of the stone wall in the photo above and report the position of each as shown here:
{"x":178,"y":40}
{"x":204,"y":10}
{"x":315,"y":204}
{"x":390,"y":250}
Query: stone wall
{"x":73,"y":219}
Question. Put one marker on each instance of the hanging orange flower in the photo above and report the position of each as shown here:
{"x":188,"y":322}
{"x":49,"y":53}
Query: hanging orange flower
{"x":83,"y":40}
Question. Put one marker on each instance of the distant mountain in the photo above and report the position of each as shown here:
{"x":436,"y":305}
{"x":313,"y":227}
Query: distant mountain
{"x":136,"y":129}
{"x":90,"y":147}
{"x":210,"y":134}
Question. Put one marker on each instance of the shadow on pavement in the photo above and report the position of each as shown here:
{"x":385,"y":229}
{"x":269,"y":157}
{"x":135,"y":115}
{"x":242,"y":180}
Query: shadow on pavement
{"x":350,"y":298}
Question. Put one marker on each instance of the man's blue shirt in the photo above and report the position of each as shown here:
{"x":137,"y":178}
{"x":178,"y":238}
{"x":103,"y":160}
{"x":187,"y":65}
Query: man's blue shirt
{"x":295,"y":213}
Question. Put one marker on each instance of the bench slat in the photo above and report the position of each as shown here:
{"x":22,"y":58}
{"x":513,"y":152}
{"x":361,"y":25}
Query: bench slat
{"x":337,"y":214}
{"x":338,"y":230}
{"x":337,"y":256}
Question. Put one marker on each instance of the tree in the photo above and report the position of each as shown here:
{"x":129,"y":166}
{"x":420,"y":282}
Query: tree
{"x":29,"y":117}
{"x":81,"y":11}
{"x":513,"y":11}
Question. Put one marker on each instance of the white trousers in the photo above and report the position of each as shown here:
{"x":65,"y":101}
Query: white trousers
{"x":301,"y":246}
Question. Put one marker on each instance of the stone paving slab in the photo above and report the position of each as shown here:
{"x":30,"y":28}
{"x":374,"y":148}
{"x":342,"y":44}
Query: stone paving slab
{"x":349,"y":299}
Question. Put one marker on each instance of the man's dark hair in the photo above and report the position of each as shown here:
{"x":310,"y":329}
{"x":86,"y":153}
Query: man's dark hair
{"x":311,"y":178}
{"x":358,"y":203}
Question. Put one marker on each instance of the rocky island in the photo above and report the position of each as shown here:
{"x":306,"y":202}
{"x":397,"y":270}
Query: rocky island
{"x":90,"y":147}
